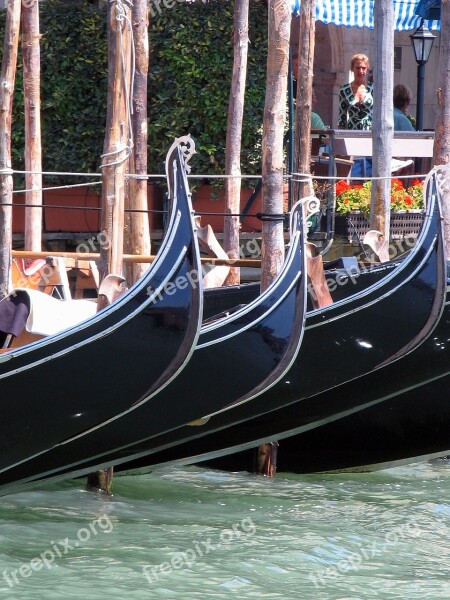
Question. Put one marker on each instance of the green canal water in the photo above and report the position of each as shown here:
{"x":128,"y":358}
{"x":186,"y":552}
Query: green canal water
{"x":193,"y":533}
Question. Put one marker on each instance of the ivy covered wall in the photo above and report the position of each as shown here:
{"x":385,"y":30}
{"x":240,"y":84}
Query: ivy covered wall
{"x":191,"y":56}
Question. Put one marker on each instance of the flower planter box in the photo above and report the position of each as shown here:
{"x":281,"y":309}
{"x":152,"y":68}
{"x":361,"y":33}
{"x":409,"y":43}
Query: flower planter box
{"x":403,"y":224}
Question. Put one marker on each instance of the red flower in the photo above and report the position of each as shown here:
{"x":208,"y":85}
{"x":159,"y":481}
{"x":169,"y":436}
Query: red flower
{"x":342,"y":186}
{"x":396,"y":184}
{"x":408,"y":200}
{"x":417,"y":182}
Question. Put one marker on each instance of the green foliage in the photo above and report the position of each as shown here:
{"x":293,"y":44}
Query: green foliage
{"x":191,"y":53}
{"x":74,"y":86}
{"x":191,"y":56}
{"x":73,"y":51}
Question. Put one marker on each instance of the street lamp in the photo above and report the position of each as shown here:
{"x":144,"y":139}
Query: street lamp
{"x":422,"y":40}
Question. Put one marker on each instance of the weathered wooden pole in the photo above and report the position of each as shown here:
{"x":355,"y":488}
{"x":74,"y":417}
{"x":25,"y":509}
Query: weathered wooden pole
{"x":272,"y":140}
{"x":32,"y":106}
{"x":116,"y":151}
{"x":272,"y":161}
{"x":383,"y":120}
{"x":442,"y":127}
{"x":234,"y":137}
{"x":137,"y":240}
{"x":8,"y":77}
{"x":302,"y":144}
{"x":117,"y":144}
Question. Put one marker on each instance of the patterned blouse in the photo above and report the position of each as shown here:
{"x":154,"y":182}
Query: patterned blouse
{"x":353,"y":114}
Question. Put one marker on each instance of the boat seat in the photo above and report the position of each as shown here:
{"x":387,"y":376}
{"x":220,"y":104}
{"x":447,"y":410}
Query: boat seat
{"x":32,"y":267}
{"x":48,"y":275}
{"x":37,"y":313}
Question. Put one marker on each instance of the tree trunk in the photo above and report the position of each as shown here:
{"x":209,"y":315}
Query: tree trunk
{"x":302,"y":147}
{"x":116,"y":146}
{"x":32,"y":105}
{"x":272,"y":159}
{"x":442,"y":128}
{"x":234,"y":137}
{"x":383,"y":121}
{"x":8,"y":77}
{"x":137,"y":223}
{"x":272,"y":141}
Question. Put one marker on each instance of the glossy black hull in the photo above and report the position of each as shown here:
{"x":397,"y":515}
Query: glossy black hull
{"x":390,"y":424}
{"x":269,"y":330}
{"x":409,"y":427}
{"x":67,"y":383}
{"x":237,"y":429}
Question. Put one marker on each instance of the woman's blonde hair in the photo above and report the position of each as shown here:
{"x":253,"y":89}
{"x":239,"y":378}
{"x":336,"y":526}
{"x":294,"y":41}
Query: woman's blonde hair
{"x":359,"y":58}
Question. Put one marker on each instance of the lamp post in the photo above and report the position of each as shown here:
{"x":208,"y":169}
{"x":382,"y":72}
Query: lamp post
{"x":422,"y":40}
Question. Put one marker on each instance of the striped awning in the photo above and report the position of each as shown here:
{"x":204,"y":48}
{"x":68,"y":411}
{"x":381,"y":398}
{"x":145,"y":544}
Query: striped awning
{"x":359,"y":13}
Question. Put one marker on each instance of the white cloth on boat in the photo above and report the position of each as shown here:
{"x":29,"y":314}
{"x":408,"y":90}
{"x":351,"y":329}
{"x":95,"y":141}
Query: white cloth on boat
{"x":50,"y":315}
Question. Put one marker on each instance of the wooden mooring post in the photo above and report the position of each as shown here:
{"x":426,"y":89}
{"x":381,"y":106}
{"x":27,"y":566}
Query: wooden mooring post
{"x":272,"y":166}
{"x":32,"y":107}
{"x":7,"y":83}
{"x":116,"y":151}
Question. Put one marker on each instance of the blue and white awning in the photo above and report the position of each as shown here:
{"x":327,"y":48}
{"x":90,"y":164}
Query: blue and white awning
{"x":359,"y":13}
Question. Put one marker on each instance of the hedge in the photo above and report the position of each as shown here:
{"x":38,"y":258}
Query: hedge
{"x":191,"y":56}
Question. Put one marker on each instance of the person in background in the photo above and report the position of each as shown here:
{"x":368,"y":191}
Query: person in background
{"x":356,"y":97}
{"x":356,"y":108}
{"x":402,"y":99}
{"x":316,"y":121}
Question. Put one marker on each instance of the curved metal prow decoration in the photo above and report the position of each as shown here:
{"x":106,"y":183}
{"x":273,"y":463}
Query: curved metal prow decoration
{"x":380,"y":246}
{"x":442,"y":176}
{"x":311,"y":206}
{"x":314,"y":263}
{"x":187,"y":149}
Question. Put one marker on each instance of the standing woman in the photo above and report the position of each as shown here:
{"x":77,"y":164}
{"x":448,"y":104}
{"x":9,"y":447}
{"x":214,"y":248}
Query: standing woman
{"x":356,"y":108}
{"x":356,"y":97}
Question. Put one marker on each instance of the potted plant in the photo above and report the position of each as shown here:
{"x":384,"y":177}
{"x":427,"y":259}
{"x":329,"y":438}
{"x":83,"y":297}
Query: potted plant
{"x":353,"y":202}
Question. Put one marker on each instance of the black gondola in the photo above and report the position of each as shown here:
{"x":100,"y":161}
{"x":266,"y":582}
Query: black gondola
{"x":300,"y":410}
{"x":74,"y":380}
{"x":256,"y":342}
{"x":418,"y":282}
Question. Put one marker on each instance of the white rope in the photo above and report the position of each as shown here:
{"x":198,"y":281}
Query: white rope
{"x":57,"y":187}
{"x":308,"y":176}
{"x":134,"y":175}
{"x":57,"y":173}
{"x":295,"y":177}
